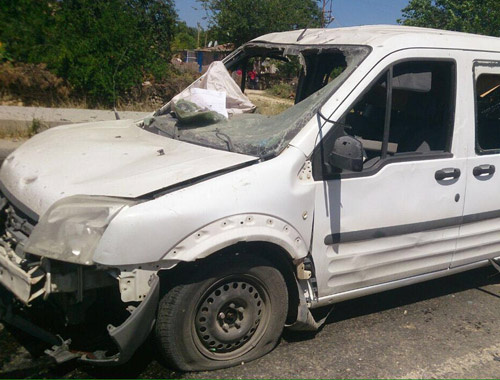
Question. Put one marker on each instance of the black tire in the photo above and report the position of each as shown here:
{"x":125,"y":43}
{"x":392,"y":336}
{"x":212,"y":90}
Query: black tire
{"x":230,"y":312}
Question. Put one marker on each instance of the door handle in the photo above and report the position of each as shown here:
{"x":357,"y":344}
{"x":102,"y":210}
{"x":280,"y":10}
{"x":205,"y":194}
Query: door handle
{"x":483,"y":169}
{"x":447,"y":173}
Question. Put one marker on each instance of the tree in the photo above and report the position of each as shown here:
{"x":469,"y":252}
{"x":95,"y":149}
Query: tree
{"x":25,"y":27}
{"x":185,"y":37}
{"x":239,"y":21}
{"x":471,"y":16}
{"x":103,"y":48}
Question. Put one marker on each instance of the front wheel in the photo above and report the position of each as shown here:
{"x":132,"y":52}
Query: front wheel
{"x":231,"y":311}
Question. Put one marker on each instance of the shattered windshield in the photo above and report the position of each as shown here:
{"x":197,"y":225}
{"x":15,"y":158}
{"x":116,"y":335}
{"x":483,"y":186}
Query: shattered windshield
{"x":215,"y":111}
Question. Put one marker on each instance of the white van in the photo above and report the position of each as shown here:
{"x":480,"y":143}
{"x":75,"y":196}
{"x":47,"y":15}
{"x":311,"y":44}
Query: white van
{"x":217,"y":235}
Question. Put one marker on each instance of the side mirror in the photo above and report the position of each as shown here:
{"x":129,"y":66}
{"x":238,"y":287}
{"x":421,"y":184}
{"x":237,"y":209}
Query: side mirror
{"x":347,"y":154}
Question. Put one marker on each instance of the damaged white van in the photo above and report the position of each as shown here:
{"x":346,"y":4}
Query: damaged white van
{"x":215,"y":233}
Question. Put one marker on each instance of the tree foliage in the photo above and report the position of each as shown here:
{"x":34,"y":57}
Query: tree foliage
{"x":185,"y":37}
{"x":101,"y":47}
{"x":471,"y":16}
{"x":239,"y":21}
{"x":25,"y":28}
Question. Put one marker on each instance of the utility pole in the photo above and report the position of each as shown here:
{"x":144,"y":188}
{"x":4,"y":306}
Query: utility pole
{"x":198,"y":40}
{"x":326,"y":14}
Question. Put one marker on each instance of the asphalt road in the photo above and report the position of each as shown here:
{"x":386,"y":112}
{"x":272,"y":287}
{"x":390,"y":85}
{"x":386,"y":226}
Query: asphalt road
{"x":447,"y":328}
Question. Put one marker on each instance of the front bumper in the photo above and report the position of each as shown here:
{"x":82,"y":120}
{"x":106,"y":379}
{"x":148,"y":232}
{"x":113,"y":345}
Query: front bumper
{"x":31,"y":284}
{"x":22,"y":286}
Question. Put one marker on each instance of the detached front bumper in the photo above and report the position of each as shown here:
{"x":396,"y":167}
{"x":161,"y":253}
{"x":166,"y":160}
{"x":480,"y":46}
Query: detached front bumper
{"x":20,"y":282}
{"x":133,"y":332}
{"x":34,"y":283}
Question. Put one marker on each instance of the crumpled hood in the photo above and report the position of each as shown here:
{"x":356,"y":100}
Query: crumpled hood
{"x":111,"y":158}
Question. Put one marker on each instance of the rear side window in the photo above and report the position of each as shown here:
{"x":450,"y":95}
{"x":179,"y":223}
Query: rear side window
{"x":488,"y":113}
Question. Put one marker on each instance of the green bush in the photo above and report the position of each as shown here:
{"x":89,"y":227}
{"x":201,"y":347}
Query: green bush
{"x":283,"y":90}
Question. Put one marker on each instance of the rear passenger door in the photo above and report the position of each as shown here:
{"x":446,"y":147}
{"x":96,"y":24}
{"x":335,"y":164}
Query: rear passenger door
{"x":479,"y":237}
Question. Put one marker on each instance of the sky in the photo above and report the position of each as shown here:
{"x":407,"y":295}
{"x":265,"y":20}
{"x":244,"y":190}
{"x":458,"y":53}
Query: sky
{"x":346,"y":12}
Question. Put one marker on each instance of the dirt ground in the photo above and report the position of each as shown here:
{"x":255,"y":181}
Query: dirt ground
{"x":447,"y":328}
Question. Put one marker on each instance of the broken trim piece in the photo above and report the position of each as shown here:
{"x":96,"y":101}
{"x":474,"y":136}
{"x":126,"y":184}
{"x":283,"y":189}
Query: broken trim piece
{"x":305,"y":320}
{"x":134,"y":331}
{"x":20,"y":282}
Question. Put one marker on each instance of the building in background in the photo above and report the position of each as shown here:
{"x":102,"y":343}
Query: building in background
{"x":206,"y":55}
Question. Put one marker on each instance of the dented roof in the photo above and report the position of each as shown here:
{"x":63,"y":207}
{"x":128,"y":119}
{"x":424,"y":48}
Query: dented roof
{"x":378,"y":36}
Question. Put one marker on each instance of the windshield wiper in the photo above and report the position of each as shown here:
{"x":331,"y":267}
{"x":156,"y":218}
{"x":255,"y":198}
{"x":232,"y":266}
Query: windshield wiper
{"x":226,"y":139}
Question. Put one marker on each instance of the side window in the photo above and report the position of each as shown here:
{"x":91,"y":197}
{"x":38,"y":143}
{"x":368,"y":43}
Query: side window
{"x":488,"y":113}
{"x":408,"y":113}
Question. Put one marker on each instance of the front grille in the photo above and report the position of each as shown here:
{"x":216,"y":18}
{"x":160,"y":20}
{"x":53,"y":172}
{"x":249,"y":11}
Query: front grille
{"x":15,"y":225}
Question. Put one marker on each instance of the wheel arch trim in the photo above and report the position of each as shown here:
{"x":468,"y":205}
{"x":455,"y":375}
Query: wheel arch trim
{"x":229,"y":231}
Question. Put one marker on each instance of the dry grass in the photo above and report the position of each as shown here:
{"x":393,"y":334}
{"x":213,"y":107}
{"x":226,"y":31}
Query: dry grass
{"x":144,"y":106}
{"x":28,"y":83}
{"x":269,"y":109}
{"x":23,"y":131}
{"x":14,"y":134}
{"x":267,"y":104}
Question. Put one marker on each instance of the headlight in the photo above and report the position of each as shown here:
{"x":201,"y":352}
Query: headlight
{"x":72,"y":227}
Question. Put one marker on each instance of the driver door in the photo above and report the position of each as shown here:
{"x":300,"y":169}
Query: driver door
{"x":400,"y":216}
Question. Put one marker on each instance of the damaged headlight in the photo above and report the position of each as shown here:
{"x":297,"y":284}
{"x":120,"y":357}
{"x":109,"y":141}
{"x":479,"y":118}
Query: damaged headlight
{"x":72,"y":227}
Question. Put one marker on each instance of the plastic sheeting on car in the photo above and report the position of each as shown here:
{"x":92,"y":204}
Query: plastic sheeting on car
{"x":217,"y":78}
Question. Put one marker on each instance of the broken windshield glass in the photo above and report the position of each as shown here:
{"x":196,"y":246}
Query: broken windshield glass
{"x":321,"y":72}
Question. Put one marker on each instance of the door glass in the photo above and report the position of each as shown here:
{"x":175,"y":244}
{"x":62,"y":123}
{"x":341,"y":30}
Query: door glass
{"x":422,"y":106}
{"x":421,"y":111}
{"x":488,"y":113}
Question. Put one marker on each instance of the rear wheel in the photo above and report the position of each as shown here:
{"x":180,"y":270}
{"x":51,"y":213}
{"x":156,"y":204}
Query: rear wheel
{"x":232,"y":311}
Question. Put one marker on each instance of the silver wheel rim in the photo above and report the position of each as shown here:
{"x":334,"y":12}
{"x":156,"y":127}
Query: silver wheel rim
{"x":231,"y":317}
